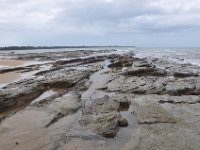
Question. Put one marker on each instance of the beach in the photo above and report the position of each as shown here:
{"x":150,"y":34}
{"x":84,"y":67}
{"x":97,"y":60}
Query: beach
{"x":99,"y":99}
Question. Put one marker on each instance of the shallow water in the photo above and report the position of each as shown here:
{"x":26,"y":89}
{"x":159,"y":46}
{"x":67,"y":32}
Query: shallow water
{"x":98,"y":80}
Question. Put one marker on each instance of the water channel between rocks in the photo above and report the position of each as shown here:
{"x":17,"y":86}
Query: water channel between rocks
{"x":26,"y":129}
{"x":98,"y":82}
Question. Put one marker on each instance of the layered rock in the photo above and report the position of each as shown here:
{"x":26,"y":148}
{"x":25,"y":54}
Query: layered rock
{"x":147,"y":111}
{"x":63,"y":106}
{"x":143,"y":68}
{"x":102,"y":117}
{"x":22,"y":92}
{"x":156,"y":101}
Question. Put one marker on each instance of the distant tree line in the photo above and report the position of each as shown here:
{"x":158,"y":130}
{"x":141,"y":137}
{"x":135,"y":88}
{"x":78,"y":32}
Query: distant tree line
{"x":36,"y":47}
{"x":51,"y":47}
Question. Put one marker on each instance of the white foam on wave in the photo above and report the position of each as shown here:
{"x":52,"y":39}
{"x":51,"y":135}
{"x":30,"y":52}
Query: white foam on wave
{"x":177,"y":55}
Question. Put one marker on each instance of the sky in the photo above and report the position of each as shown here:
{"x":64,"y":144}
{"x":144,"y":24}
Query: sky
{"x":142,"y":23}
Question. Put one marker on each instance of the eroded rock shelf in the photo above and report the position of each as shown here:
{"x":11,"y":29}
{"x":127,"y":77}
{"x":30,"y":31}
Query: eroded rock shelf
{"x":100,"y":100}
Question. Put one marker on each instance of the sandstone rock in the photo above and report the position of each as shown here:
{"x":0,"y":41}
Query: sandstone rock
{"x":181,"y":100}
{"x":21,"y":95}
{"x":179,"y":87}
{"x":64,"y":106}
{"x":143,"y":68}
{"x":101,"y":117}
{"x":138,"y":85}
{"x":185,"y":71}
{"x":164,"y":96}
{"x":123,"y":61}
{"x":149,"y":112}
{"x":123,"y":101}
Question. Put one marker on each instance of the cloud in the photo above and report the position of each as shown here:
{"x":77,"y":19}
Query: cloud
{"x":40,"y":21}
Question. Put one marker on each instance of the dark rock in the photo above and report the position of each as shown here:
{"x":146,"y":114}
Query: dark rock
{"x":123,"y":122}
{"x":61,"y":84}
{"x":116,"y":64}
{"x":184,"y":74}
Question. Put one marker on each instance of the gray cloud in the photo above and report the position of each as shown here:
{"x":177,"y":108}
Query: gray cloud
{"x":75,"y":22}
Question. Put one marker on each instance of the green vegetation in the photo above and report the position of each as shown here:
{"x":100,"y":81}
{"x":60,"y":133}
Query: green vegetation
{"x":33,"y":47}
{"x":51,"y":47}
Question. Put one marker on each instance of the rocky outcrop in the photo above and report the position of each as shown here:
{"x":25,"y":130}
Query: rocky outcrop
{"x":152,"y":114}
{"x":156,"y":101}
{"x":183,"y":87}
{"x":25,"y":91}
{"x":63,"y":106}
{"x":102,"y":117}
{"x":149,"y":112}
{"x":181,"y":100}
{"x":20,"y":95}
{"x":123,"y":61}
{"x":137,"y":85}
{"x":185,"y":71}
{"x":143,"y":68}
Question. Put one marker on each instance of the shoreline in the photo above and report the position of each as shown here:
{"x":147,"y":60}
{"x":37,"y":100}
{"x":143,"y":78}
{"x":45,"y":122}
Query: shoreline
{"x":100,"y":100}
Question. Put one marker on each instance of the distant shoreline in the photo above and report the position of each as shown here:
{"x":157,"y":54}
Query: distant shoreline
{"x":8,"y":48}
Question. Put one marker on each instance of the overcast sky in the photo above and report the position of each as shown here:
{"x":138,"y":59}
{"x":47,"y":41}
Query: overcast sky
{"x":100,"y":22}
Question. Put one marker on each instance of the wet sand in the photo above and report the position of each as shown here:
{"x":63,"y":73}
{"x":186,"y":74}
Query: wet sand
{"x":11,"y":76}
{"x":11,"y":62}
{"x":8,"y":77}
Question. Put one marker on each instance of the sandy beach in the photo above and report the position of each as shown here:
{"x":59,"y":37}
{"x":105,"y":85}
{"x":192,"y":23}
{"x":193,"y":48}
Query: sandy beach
{"x":98,"y":100}
{"x":11,"y":62}
{"x":10,"y":76}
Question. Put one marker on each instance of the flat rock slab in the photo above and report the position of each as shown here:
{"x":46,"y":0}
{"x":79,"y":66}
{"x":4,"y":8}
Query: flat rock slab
{"x":102,"y":117}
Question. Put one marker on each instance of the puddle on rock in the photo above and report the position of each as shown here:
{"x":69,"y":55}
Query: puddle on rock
{"x":98,"y":80}
{"x":125,"y":133}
